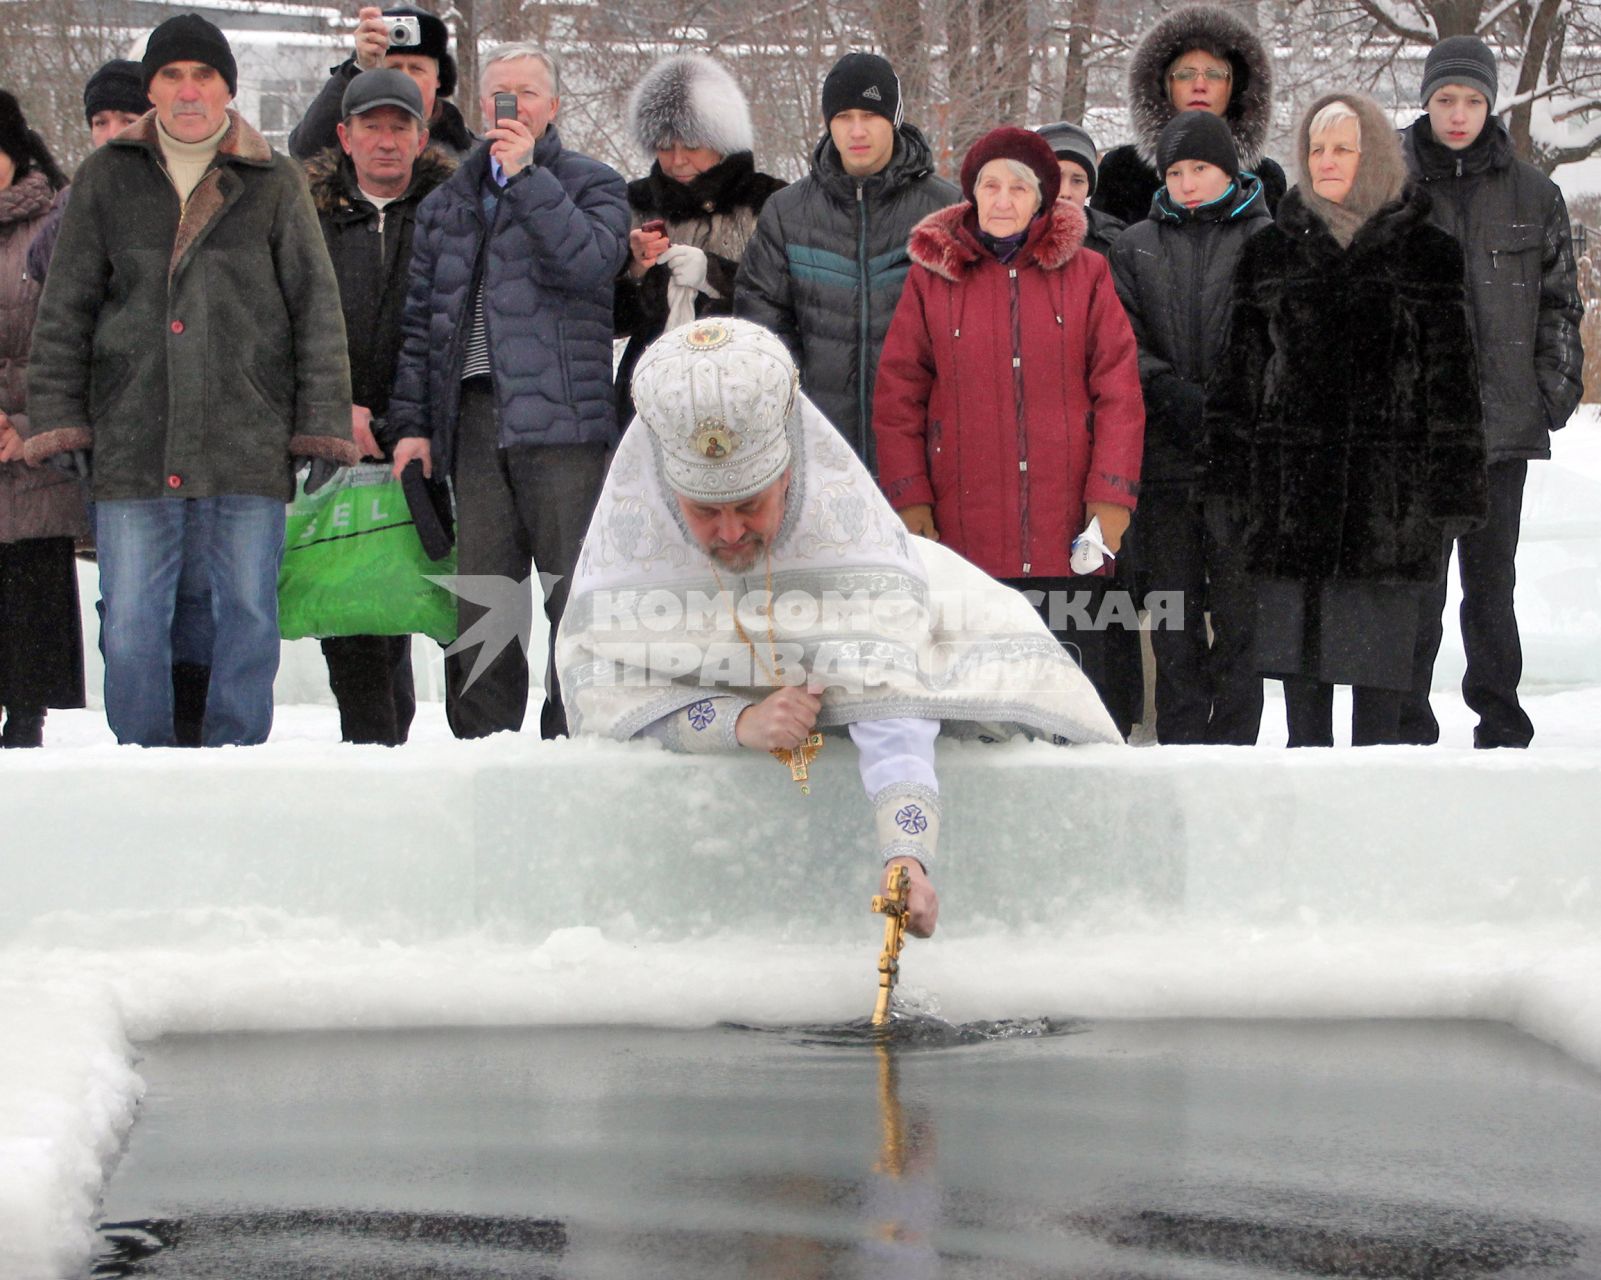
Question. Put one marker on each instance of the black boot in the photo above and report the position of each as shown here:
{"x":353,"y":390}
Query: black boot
{"x":24,"y":727}
{"x":190,"y":680}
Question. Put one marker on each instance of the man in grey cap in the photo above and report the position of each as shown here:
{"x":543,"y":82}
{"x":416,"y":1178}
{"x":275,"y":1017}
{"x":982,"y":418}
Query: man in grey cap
{"x":367,"y":190}
{"x":1523,"y":295}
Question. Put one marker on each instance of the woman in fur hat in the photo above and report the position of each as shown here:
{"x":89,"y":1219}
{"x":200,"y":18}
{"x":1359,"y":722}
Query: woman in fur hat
{"x":1007,"y":407}
{"x":41,"y":508}
{"x":1344,"y":440}
{"x":1198,"y":58}
{"x":690,"y":116}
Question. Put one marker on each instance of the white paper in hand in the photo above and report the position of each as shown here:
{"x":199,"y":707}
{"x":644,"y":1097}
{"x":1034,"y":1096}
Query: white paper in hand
{"x":1090,"y":551}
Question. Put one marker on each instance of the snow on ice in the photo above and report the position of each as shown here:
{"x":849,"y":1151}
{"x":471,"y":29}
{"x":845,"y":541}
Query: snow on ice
{"x":512,"y":882}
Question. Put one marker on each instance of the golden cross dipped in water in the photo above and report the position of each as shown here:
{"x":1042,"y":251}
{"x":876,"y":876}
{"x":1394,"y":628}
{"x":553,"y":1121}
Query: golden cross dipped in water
{"x":893,"y":906}
{"x":799,"y":759}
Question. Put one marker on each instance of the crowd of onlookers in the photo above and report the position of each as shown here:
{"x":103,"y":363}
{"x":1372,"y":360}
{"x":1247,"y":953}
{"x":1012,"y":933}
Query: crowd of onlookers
{"x":1283,"y":393}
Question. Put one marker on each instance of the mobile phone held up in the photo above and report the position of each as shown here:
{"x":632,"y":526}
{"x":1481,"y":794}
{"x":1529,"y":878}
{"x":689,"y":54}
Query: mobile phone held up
{"x":655,"y":227}
{"x":505,"y":107}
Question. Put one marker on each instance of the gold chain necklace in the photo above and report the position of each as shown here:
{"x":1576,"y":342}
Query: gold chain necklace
{"x":798,"y":759}
{"x":774,"y":673}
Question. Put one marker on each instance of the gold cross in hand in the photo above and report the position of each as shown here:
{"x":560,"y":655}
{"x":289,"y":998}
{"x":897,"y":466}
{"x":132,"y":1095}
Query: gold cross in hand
{"x":799,"y":759}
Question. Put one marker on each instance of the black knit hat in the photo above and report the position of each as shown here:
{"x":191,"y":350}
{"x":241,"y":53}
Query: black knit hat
{"x":1197,"y":135}
{"x":15,"y":137}
{"x":433,"y":42}
{"x":26,"y":149}
{"x":862,"y":82}
{"x":1460,"y":60}
{"x":190,"y":38}
{"x":116,"y":86}
{"x":1070,"y":142}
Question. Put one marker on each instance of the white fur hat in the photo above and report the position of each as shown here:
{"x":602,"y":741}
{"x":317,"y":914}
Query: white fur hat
{"x":692,"y":99}
{"x":717,"y":396}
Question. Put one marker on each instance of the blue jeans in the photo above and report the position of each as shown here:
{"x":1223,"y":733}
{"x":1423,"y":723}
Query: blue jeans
{"x":146,"y":547}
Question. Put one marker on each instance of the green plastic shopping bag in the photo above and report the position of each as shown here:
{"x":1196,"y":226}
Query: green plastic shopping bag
{"x":354,"y":566}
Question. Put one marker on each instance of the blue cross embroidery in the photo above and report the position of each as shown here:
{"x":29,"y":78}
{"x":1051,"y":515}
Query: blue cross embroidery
{"x":911,"y":820}
{"x":701,"y":715}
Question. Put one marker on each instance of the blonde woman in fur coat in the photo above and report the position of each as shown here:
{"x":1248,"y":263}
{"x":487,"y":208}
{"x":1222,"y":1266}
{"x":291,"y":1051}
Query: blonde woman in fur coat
{"x":1344,"y":439}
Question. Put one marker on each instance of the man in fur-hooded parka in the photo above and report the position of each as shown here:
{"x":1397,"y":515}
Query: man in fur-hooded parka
{"x":1343,"y":423}
{"x":693,"y":100}
{"x":1128,"y":179}
{"x":1008,"y":394}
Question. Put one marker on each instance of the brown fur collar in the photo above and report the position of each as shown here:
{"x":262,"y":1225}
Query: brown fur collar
{"x":241,"y":142}
{"x":333,"y":182}
{"x":943,"y":243}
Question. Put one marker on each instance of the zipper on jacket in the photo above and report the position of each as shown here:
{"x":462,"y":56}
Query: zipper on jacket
{"x":1016,"y":304}
{"x":864,"y":423}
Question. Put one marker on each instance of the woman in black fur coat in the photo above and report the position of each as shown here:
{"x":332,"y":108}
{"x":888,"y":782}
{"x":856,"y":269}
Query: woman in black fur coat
{"x":689,"y":114}
{"x":1344,"y":439}
{"x":1196,"y":38}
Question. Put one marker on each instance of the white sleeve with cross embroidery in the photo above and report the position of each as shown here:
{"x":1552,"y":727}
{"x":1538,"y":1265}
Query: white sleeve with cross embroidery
{"x":896,"y":759}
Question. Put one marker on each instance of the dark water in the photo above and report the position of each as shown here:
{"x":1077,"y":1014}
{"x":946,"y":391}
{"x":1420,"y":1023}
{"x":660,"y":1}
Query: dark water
{"x":1113,"y":1151}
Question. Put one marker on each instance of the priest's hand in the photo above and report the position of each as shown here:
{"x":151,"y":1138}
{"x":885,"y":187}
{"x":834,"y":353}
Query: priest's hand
{"x":784,"y":718}
{"x":922,"y":903}
{"x":920,"y":520}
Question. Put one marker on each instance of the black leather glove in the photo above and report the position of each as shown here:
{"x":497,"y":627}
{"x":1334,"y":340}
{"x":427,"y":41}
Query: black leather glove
{"x":80,"y":462}
{"x":322,"y":471}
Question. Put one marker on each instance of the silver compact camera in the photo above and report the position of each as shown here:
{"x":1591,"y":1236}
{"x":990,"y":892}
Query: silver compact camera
{"x":405,"y":32}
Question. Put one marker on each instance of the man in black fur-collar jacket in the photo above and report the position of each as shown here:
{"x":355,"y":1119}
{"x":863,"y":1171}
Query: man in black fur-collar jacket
{"x":1199,"y":57}
{"x":689,"y":116}
{"x":1523,"y":295}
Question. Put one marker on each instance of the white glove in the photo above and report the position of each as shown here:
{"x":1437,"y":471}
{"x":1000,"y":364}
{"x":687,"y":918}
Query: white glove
{"x":688,"y":265}
{"x":1090,"y":551}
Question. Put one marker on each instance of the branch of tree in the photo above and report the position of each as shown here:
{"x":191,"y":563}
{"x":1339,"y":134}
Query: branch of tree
{"x":1382,"y":14}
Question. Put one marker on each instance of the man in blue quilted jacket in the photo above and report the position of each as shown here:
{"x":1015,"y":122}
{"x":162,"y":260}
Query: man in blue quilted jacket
{"x":505,"y":376}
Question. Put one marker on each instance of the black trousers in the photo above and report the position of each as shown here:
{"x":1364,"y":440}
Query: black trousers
{"x":1071,"y":608}
{"x":372,"y":682}
{"x":41,"y":632}
{"x":1206,"y":692}
{"x":1487,"y":558}
{"x":1309,"y":711}
{"x":516,"y":509}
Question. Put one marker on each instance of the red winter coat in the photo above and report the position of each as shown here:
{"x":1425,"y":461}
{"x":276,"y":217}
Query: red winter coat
{"x":1008,"y":396}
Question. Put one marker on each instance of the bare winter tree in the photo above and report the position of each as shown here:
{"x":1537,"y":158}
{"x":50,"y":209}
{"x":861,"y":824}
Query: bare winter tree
{"x":1553,"y":109}
{"x":49,"y":50}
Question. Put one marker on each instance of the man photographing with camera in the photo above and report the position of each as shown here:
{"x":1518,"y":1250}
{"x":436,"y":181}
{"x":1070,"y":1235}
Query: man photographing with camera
{"x":406,"y":39}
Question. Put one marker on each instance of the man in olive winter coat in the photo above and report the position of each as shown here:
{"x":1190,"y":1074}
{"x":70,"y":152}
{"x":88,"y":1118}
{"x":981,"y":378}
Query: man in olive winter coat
{"x":190,"y":336}
{"x":825,"y":268}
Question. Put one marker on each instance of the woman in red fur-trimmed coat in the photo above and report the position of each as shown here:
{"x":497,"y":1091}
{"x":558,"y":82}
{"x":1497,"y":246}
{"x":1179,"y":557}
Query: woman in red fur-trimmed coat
{"x":1007,"y":406}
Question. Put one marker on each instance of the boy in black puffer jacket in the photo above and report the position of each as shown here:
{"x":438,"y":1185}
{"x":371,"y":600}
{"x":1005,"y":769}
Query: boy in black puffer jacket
{"x":1174,"y":272}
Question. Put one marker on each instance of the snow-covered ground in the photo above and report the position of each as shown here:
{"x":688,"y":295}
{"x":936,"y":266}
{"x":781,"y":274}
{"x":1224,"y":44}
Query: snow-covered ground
{"x":304,"y":884}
